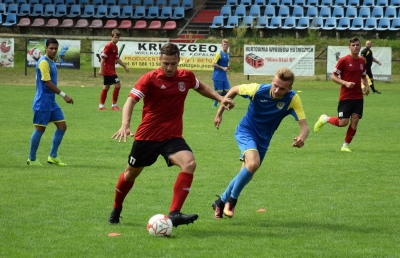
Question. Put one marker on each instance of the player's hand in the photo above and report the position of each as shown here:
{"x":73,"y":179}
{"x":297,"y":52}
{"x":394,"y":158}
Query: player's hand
{"x":366,"y":91}
{"x":122,"y":133}
{"x":217,"y":121}
{"x":100,"y":72}
{"x":68,"y":99}
{"x":227,"y":103}
{"x":127,"y":69}
{"x":298,"y":142}
{"x":350,"y":85}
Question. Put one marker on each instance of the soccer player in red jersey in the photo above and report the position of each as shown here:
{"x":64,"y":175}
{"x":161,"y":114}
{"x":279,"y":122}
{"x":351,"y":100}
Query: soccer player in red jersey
{"x":109,"y":57}
{"x":349,"y":72}
{"x":163,"y":91}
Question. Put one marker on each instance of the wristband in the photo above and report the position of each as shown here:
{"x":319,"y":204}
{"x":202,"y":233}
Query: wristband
{"x":62,"y":94}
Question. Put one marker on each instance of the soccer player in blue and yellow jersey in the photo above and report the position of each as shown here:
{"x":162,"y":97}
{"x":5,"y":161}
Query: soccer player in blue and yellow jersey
{"x":269,"y":104}
{"x":221,"y":65}
{"x":45,"y":107}
{"x":350,"y":73}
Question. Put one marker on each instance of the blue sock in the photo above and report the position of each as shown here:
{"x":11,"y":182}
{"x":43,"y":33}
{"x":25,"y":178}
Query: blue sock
{"x":215,"y":103}
{"x":227,"y":193}
{"x":242,"y":179}
{"x":57,"y":138}
{"x":35,"y":141}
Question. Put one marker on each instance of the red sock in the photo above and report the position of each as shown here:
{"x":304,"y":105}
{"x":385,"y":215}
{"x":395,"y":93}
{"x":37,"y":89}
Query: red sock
{"x":334,"y":120}
{"x":115,"y":95}
{"x":122,"y":189}
{"x":181,"y":190}
{"x":350,"y":134}
{"x":103,"y":96}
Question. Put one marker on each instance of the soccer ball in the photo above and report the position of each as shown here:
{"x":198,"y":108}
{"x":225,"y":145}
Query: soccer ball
{"x":159,"y":225}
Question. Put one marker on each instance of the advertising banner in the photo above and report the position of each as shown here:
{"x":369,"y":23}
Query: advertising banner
{"x":267,"y":59}
{"x":146,"y":54}
{"x":383,"y":54}
{"x":6,"y":52}
{"x":68,"y":55}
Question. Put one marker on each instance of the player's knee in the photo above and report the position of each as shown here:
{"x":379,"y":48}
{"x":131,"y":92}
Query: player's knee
{"x":190,"y":167}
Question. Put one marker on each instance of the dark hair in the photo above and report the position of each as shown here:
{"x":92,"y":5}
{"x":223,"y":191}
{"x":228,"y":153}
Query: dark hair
{"x":170,"y":49}
{"x":353,"y":39}
{"x":51,"y":41}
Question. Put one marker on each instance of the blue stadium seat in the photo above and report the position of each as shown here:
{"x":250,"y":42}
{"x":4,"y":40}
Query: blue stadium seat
{"x":123,"y":3}
{"x":8,"y":2}
{"x":384,"y":24}
{"x":61,"y":10}
{"x":75,"y":11}
{"x":88,"y":11}
{"x":395,"y":24}
{"x":248,"y":22}
{"x":226,"y":11}
{"x":178,"y":13}
{"x":1,"y":18}
{"x":351,"y":12}
{"x":70,"y":2}
{"x":298,"y":12}
{"x":326,"y":3}
{"x":262,"y":22}
{"x":391,"y":12}
{"x":312,"y":3}
{"x":312,"y":12}
{"x":275,"y":23}
{"x":240,"y":11}
{"x":161,"y":3}
{"x":273,"y":2}
{"x":114,"y":12}
{"x":46,"y":2}
{"x":102,"y":11}
{"x":140,"y":12}
{"x":12,"y":8}
{"x":11,"y":19}
{"x":110,"y":3}
{"x":338,"y":12}
{"x":37,"y":10}
{"x":233,"y":22}
{"x":232,"y":2}
{"x":218,"y":22}
{"x":368,"y":3}
{"x":127,"y":12}
{"x":269,"y":11}
{"x":340,"y":3}
{"x":353,"y":3}
{"x":377,"y":12}
{"x":97,"y":2}
{"x":344,"y":23}
{"x":395,"y":3}
{"x":24,"y":10}
{"x":364,"y":12}
{"x":288,"y":3}
{"x":3,"y":8}
{"x":49,"y":10}
{"x":20,"y":2}
{"x":382,"y":3}
{"x":58,"y":2}
{"x":174,"y":3}
{"x":289,"y":23}
{"x":166,"y":12}
{"x":135,"y":3}
{"x":152,"y":13}
{"x":260,"y":2}
{"x":317,"y":23}
{"x":33,"y":2}
{"x":357,"y":24}
{"x":148,"y":3}
{"x":245,"y":2}
{"x":330,"y":24}
{"x":304,"y":23}
{"x":283,"y":11}
{"x":255,"y":11}
{"x":325,"y":12}
{"x":370,"y":24}
{"x":299,"y":3}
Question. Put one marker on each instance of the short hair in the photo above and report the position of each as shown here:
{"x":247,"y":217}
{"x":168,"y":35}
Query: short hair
{"x":353,"y":39}
{"x":115,"y":32}
{"x":51,"y":41}
{"x":225,"y":41}
{"x":170,"y":49}
{"x":285,"y":74}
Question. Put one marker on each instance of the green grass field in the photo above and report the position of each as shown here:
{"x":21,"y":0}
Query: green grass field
{"x":319,"y":201}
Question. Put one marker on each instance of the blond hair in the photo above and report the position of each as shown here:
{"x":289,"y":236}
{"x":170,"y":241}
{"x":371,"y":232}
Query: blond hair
{"x":115,"y":32}
{"x":225,"y":41}
{"x":285,"y":74}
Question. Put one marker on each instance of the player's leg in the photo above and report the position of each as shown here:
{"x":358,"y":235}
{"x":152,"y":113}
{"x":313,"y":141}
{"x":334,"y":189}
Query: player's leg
{"x":357,"y":111}
{"x":40,"y":120}
{"x":371,"y":78}
{"x":177,"y":152}
{"x":107,"y":81}
{"x":341,"y":120}
{"x":218,"y":87}
{"x":58,"y":118}
{"x":117,"y":87}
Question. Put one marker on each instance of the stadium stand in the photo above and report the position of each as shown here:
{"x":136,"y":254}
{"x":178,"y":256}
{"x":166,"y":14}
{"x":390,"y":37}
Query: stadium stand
{"x":304,"y":23}
{"x":49,"y":10}
{"x":179,"y":13}
{"x":82,"y":23}
{"x":11,"y":19}
{"x":218,"y":22}
{"x":289,"y":23}
{"x":275,"y":23}
{"x":125,"y":24}
{"x":233,"y":22}
{"x":353,"y":3}
{"x":370,"y":24}
{"x":102,"y":11}
{"x":391,"y":12}
{"x":96,"y":24}
{"x":357,"y":24}
{"x":377,"y":12}
{"x":38,"y":22}
{"x":152,"y":13}
{"x":140,"y":24}
{"x":240,"y":11}
{"x":115,"y":12}
{"x":127,"y":12}
{"x":351,"y":12}
{"x":174,"y":3}
{"x":395,"y":24}
{"x":24,"y":22}
{"x":248,"y":22}
{"x":75,"y":10}
{"x":111,"y":24}
{"x":262,"y":22}
{"x":140,"y":12}
{"x":169,"y":25}
{"x":24,"y":10}
{"x":88,"y":11}
{"x":255,"y":11}
{"x":330,"y":24}
{"x":384,"y":24}
{"x":166,"y":13}
{"x":52,"y":23}
{"x":155,"y":25}
{"x":298,"y":12}
{"x":344,"y":23}
{"x":260,"y":2}
{"x":67,"y":23}
{"x":61,"y":10}
{"x":12,"y":8}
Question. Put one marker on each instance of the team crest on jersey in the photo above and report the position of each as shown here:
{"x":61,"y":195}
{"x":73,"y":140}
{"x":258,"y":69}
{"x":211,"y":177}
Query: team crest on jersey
{"x":181,"y":86}
{"x":280,"y":105}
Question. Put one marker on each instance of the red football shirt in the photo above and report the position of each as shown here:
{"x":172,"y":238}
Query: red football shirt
{"x":110,"y":54}
{"x":350,"y":70}
{"x":163,"y":103}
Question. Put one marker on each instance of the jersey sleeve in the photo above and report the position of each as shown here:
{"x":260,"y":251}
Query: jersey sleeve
{"x":44,"y":68}
{"x":248,"y":90}
{"x":339,"y":67}
{"x":217,"y":57}
{"x":297,"y":108}
{"x":107,"y":51}
{"x":139,"y":91}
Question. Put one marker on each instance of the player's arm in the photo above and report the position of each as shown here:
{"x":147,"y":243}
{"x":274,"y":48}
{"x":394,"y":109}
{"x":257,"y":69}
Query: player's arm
{"x":44,"y":68}
{"x":206,"y":91}
{"x":119,"y":61}
{"x":304,"y":131}
{"x":215,"y":61}
{"x":232,"y":93}
{"x":102,"y":61}
{"x":364,"y":80}
{"x":376,"y":61}
{"x":338,"y":80}
{"x":127,"y":111}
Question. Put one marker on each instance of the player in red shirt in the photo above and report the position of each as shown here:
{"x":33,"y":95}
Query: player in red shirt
{"x":349,"y":72}
{"x":163,"y":91}
{"x":109,"y":57}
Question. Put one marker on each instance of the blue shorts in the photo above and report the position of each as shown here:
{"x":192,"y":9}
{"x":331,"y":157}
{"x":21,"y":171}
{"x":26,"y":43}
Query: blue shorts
{"x":246,"y":141}
{"x":43,"y":118}
{"x":221,"y":86}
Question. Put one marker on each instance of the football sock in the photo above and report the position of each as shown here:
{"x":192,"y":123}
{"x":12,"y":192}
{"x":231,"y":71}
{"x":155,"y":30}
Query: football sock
{"x":225,"y":196}
{"x":350,"y":134}
{"x":334,"y":120}
{"x":35,"y":141}
{"x":181,"y":190}
{"x":103,"y":97}
{"x":242,"y":179}
{"x":122,"y":189}
{"x":372,"y":86}
{"x":215,"y":103}
{"x":57,"y":138}
{"x":115,"y":95}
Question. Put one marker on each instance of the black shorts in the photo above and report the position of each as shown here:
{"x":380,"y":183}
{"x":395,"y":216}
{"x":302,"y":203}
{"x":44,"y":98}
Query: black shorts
{"x":369,"y":73}
{"x":110,"y":80}
{"x":145,"y":153}
{"x":351,"y":106}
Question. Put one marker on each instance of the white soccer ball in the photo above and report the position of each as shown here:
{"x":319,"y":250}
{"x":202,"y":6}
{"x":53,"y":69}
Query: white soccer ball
{"x":159,"y":225}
